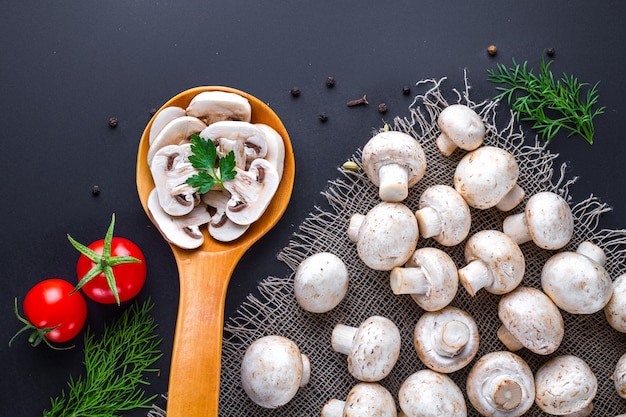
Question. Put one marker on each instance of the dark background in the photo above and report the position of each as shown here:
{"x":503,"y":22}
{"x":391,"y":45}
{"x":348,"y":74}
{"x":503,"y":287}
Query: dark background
{"x":66,"y":67}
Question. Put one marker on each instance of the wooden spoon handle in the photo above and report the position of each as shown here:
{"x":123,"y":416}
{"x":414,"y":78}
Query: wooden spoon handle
{"x":194,"y":382}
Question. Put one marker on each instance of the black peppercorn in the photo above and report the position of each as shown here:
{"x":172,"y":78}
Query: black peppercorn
{"x":323,"y":117}
{"x":382,"y":108}
{"x":406,"y":90}
{"x":330,"y":82}
{"x":295,"y":91}
{"x":550,"y":52}
{"x":95,"y":190}
{"x":113,"y":121}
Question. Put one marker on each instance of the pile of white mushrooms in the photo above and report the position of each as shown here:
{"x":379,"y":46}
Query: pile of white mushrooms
{"x":225,"y":119}
{"x":446,"y":338}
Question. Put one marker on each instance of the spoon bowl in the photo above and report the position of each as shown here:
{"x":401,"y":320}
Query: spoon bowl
{"x":204,"y":274}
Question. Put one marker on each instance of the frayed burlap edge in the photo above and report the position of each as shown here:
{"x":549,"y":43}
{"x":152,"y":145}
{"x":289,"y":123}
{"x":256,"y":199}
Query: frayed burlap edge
{"x":275,"y":310}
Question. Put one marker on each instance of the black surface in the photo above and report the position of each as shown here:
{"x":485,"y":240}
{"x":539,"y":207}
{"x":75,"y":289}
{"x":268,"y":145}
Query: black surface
{"x":66,"y":67}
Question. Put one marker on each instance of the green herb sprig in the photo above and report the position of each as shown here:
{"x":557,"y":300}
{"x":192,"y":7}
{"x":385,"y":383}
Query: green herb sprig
{"x":551,"y":105}
{"x":205,"y":160}
{"x":115,"y":367}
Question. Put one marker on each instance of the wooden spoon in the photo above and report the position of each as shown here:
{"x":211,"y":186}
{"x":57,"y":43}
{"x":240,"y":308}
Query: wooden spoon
{"x":204,"y":274}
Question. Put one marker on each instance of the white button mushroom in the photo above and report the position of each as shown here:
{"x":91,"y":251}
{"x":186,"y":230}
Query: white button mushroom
{"x":272,"y":371}
{"x":501,"y":384}
{"x":615,"y":310}
{"x":446,"y":340}
{"x":444,"y":215}
{"x":365,"y":399}
{"x":494,"y":262}
{"x":214,"y":106}
{"x":430,"y":277}
{"x":619,"y":376}
{"x":394,"y":162}
{"x":386,"y":236}
{"x":372,"y":349}
{"x":460,"y":127}
{"x":487,"y":177}
{"x":577,"y":281}
{"x":320,"y":282}
{"x":430,"y":394}
{"x":547,"y":220}
{"x":531,"y":320}
{"x":565,"y":385}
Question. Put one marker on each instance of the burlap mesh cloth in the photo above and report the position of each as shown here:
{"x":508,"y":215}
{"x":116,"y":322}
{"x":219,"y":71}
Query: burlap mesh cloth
{"x":276,"y":311}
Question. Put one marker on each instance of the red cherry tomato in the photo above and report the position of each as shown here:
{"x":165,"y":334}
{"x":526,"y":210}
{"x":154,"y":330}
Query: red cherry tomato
{"x":129,"y":277}
{"x":50,"y":307}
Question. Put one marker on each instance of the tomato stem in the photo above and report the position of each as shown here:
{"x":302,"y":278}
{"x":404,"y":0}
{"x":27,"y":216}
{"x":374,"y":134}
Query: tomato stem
{"x":38,"y":335}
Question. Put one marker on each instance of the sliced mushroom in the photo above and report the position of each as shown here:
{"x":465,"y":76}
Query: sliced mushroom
{"x":242,"y":138}
{"x":176,"y":132}
{"x":182,"y":231}
{"x":619,"y":376}
{"x":386,"y":237}
{"x":251,"y":192}
{"x":221,"y":228}
{"x":162,"y":118}
{"x":275,"y":147}
{"x":372,"y":349}
{"x":430,"y":394}
{"x":365,"y":399}
{"x":565,"y":385}
{"x":547,"y":220}
{"x":394,"y":162}
{"x":494,"y":262}
{"x":443,"y":215}
{"x":460,"y":127}
{"x":577,"y":281}
{"x":487,"y":177}
{"x":531,"y":320}
{"x":430,"y":276}
{"x":615,"y":310}
{"x":214,"y":106}
{"x":446,"y":340}
{"x":272,"y":371}
{"x":320,"y":282}
{"x":501,"y":384}
{"x":170,"y":171}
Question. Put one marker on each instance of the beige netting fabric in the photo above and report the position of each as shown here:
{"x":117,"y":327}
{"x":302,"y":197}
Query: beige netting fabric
{"x":275,"y":311}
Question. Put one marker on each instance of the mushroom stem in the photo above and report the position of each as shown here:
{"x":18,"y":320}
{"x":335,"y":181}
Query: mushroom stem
{"x":333,"y":408}
{"x":515,"y":227}
{"x":507,"y":394}
{"x":409,"y":280}
{"x":453,"y":338}
{"x":306,"y":370}
{"x":429,"y":222}
{"x":342,"y":338}
{"x":445,"y":145}
{"x":394,"y":180}
{"x":355,"y":225}
{"x":511,"y":199}
{"x":507,"y":338}
{"x":474,"y":276}
{"x":593,"y":252}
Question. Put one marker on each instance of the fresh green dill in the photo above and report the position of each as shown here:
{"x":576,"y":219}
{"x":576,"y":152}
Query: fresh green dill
{"x":551,"y":105}
{"x":204,"y":160}
{"x":115,"y":367}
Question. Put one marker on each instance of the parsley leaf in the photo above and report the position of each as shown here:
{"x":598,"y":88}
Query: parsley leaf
{"x":205,"y":160}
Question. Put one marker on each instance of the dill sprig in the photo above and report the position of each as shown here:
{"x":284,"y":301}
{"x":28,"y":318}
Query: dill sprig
{"x":550,"y":104}
{"x":115,"y":367}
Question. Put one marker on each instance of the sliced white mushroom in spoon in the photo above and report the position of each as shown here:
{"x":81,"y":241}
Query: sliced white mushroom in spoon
{"x":245,"y":134}
{"x":162,"y":118}
{"x":275,"y":147}
{"x":214,"y":106}
{"x":176,"y":132}
{"x":170,"y":171}
{"x":222,"y":228}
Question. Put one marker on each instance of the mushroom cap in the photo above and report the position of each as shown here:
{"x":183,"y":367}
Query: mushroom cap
{"x":462,"y":126}
{"x":430,"y":394}
{"x":440,"y":272}
{"x":272,"y":370}
{"x":564,"y":385}
{"x":387,"y":237}
{"x":619,"y":376}
{"x":214,"y":106}
{"x":365,"y":399}
{"x":576,"y":283}
{"x":444,"y":215}
{"x":501,"y":384}
{"x":615,"y":310}
{"x":533,"y":319}
{"x":485,"y":176}
{"x":462,"y":335}
{"x":320,"y":282}
{"x":497,"y":257}
{"x":394,"y":148}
